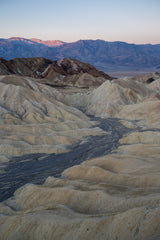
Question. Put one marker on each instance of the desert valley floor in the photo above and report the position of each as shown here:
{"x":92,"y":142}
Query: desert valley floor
{"x":79,"y":153}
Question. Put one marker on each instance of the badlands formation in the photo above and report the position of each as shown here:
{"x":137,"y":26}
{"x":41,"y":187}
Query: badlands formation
{"x":111,"y":197}
{"x":35,"y":117}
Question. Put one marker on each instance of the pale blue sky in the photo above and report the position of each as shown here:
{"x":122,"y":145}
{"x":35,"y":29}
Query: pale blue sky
{"x":134,"y":21}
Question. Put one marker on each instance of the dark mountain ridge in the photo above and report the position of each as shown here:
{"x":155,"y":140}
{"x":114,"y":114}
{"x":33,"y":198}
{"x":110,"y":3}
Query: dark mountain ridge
{"x":99,"y":53}
{"x":35,"y":67}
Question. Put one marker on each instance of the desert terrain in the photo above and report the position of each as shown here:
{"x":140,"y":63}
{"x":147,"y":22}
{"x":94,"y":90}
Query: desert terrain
{"x":79,"y":153}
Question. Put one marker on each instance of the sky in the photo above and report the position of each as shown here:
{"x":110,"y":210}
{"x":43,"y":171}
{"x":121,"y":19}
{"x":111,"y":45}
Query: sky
{"x":132,"y":21}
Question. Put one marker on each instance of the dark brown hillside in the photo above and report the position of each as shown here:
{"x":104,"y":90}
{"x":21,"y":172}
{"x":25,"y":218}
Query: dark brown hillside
{"x":61,"y":73}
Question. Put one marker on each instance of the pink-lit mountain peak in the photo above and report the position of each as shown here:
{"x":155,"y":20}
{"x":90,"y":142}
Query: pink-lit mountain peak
{"x":49,"y":43}
{"x":17,"y":39}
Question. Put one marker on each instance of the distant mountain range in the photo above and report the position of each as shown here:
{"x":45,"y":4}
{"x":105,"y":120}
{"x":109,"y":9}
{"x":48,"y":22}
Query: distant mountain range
{"x":101,"y":54}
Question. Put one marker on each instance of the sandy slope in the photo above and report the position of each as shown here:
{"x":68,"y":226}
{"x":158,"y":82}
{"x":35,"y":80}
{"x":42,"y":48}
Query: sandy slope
{"x":127,"y":99}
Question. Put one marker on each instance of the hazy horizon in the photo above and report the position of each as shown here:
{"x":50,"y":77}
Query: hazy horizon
{"x":69,"y":21}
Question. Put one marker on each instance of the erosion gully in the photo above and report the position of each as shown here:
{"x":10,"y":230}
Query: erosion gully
{"x":33,"y":169}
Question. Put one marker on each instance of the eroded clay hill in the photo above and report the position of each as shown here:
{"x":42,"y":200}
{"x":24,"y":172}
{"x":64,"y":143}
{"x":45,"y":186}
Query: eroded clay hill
{"x":35,"y":119}
{"x":114,"y":197}
{"x":127,"y":99}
